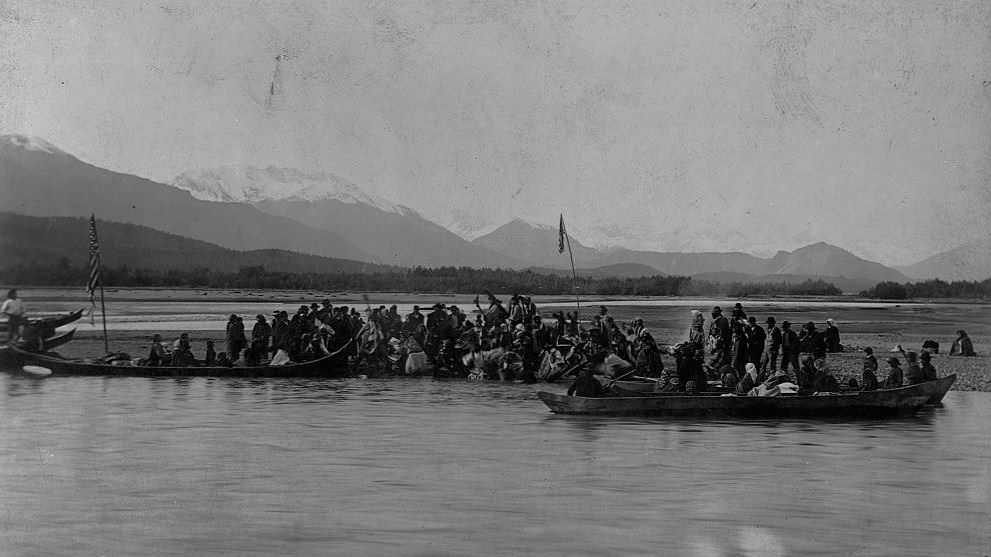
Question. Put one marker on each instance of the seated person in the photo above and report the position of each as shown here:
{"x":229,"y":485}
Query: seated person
{"x":807,"y":375}
{"x":962,"y":345}
{"x":727,"y":376}
{"x":157,"y":356}
{"x":211,"y":354}
{"x":182,"y":355}
{"x":826,"y":383}
{"x":586,"y":384}
{"x":894,"y":379}
{"x":748,"y":381}
{"x":913,"y":371}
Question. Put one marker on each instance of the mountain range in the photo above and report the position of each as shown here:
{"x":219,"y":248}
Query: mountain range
{"x":244,"y":208}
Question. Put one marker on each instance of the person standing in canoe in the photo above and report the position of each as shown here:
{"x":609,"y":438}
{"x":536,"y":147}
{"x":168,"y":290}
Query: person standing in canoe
{"x":789,"y":347}
{"x":13,"y":308}
{"x":756,"y":337}
{"x":260,"y":335}
{"x":870,"y":371}
{"x":719,"y":341}
{"x":928,"y":371}
{"x":772,"y":345}
{"x":236,"y":341}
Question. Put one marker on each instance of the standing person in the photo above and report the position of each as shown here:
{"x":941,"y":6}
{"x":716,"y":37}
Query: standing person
{"x":755,"y":340}
{"x":928,"y":371}
{"x":832,"y":337}
{"x":870,"y":371}
{"x":789,"y":347}
{"x":210,"y":359}
{"x":772,"y":345}
{"x":260,"y":335}
{"x":157,"y":356}
{"x":741,"y":344}
{"x":13,"y":308}
{"x":719,"y":341}
{"x":235,"y":340}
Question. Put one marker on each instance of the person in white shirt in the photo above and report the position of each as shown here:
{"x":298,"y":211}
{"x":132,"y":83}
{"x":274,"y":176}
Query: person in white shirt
{"x":13,"y":308}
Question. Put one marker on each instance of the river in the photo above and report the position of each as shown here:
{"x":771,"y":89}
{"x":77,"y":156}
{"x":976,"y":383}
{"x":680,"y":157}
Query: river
{"x":139,"y":466}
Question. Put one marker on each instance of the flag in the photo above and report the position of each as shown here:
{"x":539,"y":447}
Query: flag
{"x":560,"y":236}
{"x":94,"y":264}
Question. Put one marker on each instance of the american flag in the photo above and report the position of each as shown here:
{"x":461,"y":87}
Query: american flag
{"x":94,"y":261}
{"x":560,"y":236}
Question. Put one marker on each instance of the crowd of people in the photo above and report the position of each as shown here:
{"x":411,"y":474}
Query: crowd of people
{"x":514,"y":341}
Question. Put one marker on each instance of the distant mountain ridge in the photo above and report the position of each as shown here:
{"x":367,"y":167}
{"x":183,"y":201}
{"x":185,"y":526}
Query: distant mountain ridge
{"x":25,"y":239}
{"x":538,"y":244}
{"x":970,"y":261}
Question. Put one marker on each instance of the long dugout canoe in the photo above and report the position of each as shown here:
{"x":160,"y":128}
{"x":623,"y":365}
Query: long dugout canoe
{"x":333,"y":365}
{"x":901,"y":401}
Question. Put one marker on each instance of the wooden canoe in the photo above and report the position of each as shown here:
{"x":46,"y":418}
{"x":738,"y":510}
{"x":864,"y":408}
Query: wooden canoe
{"x":50,"y":323}
{"x":333,"y":365}
{"x":904,"y":400}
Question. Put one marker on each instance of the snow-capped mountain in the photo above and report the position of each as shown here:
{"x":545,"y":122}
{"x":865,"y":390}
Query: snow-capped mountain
{"x":248,"y":184}
{"x":467,"y":225}
{"x":392,"y":233}
{"x":31,"y":143}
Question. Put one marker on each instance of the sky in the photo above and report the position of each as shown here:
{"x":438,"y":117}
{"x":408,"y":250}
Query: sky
{"x":748,"y":126}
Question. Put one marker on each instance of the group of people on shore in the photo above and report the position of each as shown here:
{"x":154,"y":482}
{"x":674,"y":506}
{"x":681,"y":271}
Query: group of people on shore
{"x":514,"y":341}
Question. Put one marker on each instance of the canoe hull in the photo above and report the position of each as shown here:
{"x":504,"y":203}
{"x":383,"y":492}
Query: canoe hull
{"x":334,"y":365}
{"x":905,"y":400}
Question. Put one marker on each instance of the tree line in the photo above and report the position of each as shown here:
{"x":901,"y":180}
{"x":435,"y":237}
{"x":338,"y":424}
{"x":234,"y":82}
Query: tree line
{"x":461,"y":280}
{"x":935,"y":288}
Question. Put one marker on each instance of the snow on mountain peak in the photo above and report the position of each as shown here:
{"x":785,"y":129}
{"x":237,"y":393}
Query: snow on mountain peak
{"x":31,"y":143}
{"x":248,"y":184}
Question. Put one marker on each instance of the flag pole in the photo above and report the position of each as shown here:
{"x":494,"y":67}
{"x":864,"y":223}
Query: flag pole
{"x":103,"y":311}
{"x":574,"y":273}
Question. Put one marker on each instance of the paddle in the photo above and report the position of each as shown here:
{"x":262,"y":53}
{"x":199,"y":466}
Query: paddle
{"x":627,"y":374}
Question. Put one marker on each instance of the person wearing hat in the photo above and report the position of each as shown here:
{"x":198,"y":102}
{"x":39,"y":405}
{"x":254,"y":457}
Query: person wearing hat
{"x":928,"y":371}
{"x":502,"y":337}
{"x":719,"y":342}
{"x":913,"y":371}
{"x":894,"y":379}
{"x":235,"y":339}
{"x":756,"y":337}
{"x":832,"y":337}
{"x":790,"y":347}
{"x":413,"y":320}
{"x":870,"y":371}
{"x":261,"y":332}
{"x":772,"y":346}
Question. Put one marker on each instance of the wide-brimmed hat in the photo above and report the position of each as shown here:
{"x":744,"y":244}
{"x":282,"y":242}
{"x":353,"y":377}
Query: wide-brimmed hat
{"x":717,"y":309}
{"x":438,"y":306}
{"x":770,"y":320}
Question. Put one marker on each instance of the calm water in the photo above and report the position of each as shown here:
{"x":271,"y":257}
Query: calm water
{"x":129,"y":466}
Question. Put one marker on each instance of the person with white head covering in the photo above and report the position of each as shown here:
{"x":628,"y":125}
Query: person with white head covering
{"x":748,"y":381}
{"x":832,"y":336}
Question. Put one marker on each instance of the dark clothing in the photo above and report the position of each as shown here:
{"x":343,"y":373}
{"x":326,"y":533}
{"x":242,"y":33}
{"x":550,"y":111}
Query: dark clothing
{"x":789,"y":349}
{"x":913,"y":374}
{"x":870,"y":363}
{"x":812,"y":342}
{"x":756,"y":339}
{"x":963,"y":346}
{"x":870,"y":380}
{"x":743,"y":386}
{"x":586,"y":385}
{"x":894,"y":379}
{"x":832,"y":339}
{"x":649,"y":363}
{"x":928,"y":372}
{"x":236,"y":341}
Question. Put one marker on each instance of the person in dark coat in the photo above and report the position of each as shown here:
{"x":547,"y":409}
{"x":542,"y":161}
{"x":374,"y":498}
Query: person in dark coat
{"x":755,"y":341}
{"x":649,"y":362}
{"x":586,"y":384}
{"x":894,"y":379}
{"x":719,"y":341}
{"x":832,"y":337}
{"x":962,"y":345}
{"x":928,"y":371}
{"x":870,"y":371}
{"x":913,"y":371}
{"x":260,"y":335}
{"x":790,"y":347}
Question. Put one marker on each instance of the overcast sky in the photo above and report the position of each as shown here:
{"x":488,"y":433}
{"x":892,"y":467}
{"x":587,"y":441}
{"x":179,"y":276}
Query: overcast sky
{"x":751,"y":126}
